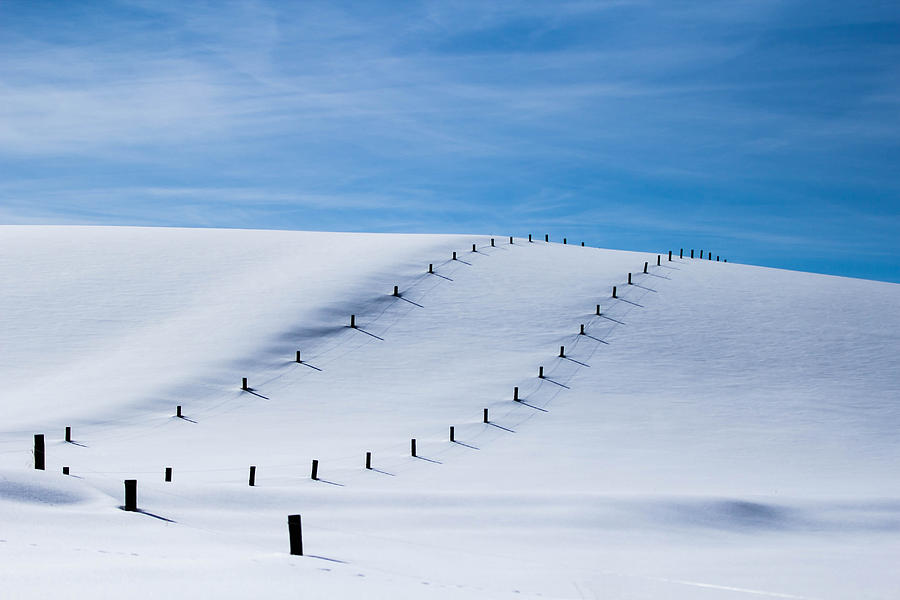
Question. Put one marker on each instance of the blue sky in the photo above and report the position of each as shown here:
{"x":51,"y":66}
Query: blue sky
{"x":767,"y":131}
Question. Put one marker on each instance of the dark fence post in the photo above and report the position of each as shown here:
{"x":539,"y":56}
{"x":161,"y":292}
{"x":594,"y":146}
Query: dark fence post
{"x":168,"y":473}
{"x":546,"y":237}
{"x":562,"y":351}
{"x":492,"y":242}
{"x":131,"y":495}
{"x":645,"y":266}
{"x":315,"y":470}
{"x":529,"y":237}
{"x":65,"y":470}
{"x":516,"y":393}
{"x":396,"y":290}
{"x":629,"y":279}
{"x":295,"y":532}
{"x":39,"y":451}
{"x":368,"y":460}
{"x":252,"y":476}
{"x":540,"y":372}
{"x":614,"y":292}
{"x":473,"y":248}
{"x":412,"y":447}
{"x":454,"y":256}
{"x":178,"y":411}
{"x":564,"y":240}
{"x":582,"y":330}
{"x":431,"y":267}
{"x":510,"y":240}
{"x":692,"y":253}
{"x":486,"y":416}
{"x":598,"y":310}
{"x":670,"y":256}
{"x":452,"y":434}
{"x":582,"y":244}
{"x":68,"y":433}
{"x":681,"y":253}
{"x":658,"y":260}
{"x":298,"y":356}
{"x":244,"y":385}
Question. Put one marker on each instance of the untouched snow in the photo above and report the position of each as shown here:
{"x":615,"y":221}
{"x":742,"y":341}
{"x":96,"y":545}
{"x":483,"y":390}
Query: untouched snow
{"x":722,"y":431}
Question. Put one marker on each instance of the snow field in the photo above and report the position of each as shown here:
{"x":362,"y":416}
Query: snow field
{"x":720,"y":431}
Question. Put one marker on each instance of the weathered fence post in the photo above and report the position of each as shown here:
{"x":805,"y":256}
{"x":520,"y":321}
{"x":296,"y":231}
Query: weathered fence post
{"x":295,"y":532}
{"x":252,"y":476}
{"x":131,"y":495}
{"x":39,"y":462}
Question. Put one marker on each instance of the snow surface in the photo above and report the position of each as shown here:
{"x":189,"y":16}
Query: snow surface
{"x":722,"y":431}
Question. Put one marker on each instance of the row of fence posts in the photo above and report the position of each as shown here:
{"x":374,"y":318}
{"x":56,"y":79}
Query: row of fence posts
{"x":294,"y":521}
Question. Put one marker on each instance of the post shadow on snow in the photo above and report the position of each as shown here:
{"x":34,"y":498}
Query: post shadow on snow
{"x":463,"y":262}
{"x":250,"y":390}
{"x":334,"y":560}
{"x":320,"y":480}
{"x":306,"y":364}
{"x":660,"y":276}
{"x":184,"y":418}
{"x":630,"y":302}
{"x":382,"y":472}
{"x":361,"y":330}
{"x":611,"y":319}
{"x":577,"y":362}
{"x":596,"y":339}
{"x":441,"y":276}
{"x":431,"y":460}
{"x":492,"y":424}
{"x":643,"y":287}
{"x":79,"y":444}
{"x":410,"y":301}
{"x":562,"y":385}
{"x":141,"y":511}
{"x":523,"y":403}
{"x":465,"y":444}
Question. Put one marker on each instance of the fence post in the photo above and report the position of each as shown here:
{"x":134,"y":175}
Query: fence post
{"x":562,"y":351}
{"x":516,"y":393}
{"x":295,"y":532}
{"x":68,"y":433}
{"x":546,"y":237}
{"x":614,"y":292}
{"x":244,"y":385}
{"x":492,"y":242}
{"x":629,"y":279}
{"x":39,"y":451}
{"x":298,"y":356}
{"x":368,"y":460}
{"x":412,"y":447}
{"x":431,"y":267}
{"x":670,"y":256}
{"x":540,"y":372}
{"x":178,"y":411}
{"x":396,"y":290}
{"x":252,"y":476}
{"x":315,"y":470}
{"x":452,"y":434}
{"x":168,"y":473}
{"x":486,"y":416}
{"x":131,"y":495}
{"x":598,"y":310}
{"x":645,"y":266}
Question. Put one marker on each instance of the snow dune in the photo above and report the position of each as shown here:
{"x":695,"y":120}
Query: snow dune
{"x":720,"y":431}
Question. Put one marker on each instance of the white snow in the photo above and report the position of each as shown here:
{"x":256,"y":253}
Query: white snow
{"x":722,"y":431}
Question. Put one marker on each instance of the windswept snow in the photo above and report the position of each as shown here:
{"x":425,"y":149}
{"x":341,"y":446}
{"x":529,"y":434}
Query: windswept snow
{"x":721,"y":431}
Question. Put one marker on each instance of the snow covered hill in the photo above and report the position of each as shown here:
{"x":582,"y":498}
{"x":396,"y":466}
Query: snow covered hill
{"x":718,"y":431}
